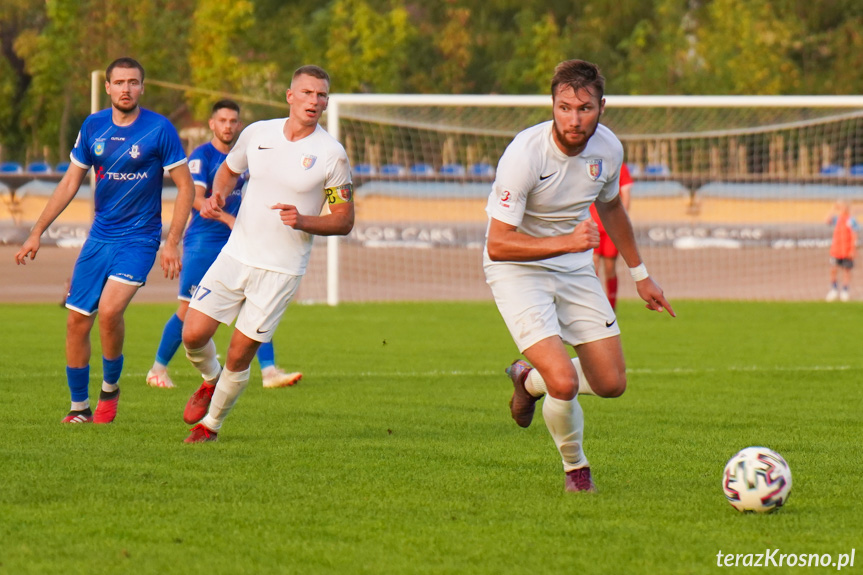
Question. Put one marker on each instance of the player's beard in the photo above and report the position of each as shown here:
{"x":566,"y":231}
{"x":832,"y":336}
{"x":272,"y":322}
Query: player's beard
{"x":126,"y":107}
{"x":582,"y":142}
{"x":228,"y":141}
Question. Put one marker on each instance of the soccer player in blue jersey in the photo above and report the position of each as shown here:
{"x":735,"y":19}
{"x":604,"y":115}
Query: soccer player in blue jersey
{"x":128,"y":147}
{"x":202,"y":243}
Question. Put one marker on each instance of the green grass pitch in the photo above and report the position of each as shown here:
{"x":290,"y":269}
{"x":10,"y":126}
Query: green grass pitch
{"x":396,"y":453}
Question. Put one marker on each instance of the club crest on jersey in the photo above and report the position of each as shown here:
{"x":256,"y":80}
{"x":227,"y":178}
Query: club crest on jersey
{"x":134,"y":152}
{"x":594,"y":169}
{"x":99,"y":148}
{"x":309,"y":161}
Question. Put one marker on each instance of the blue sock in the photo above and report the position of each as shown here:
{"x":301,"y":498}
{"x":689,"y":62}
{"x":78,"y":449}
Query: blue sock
{"x":79,"y":380}
{"x":112,"y":369}
{"x":266,"y":355}
{"x":172,"y":337}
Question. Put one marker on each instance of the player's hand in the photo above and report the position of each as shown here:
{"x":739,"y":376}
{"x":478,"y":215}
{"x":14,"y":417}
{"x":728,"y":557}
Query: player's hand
{"x":585,"y":236}
{"x":650,"y":292}
{"x":290,"y":215}
{"x":29,"y":249}
{"x":170,"y":260}
{"x":212,"y":207}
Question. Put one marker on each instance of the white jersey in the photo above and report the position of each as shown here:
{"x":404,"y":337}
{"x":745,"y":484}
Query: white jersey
{"x":285,"y":172}
{"x":545,"y":193}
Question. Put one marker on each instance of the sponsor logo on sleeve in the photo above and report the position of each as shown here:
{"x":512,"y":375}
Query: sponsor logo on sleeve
{"x":195,"y":166}
{"x":505,"y":199}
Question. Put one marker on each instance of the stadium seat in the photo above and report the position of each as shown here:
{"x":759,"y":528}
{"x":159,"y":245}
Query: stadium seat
{"x":452,"y":170}
{"x":481,"y":169}
{"x":62,"y":167}
{"x":832,"y":170}
{"x":393,"y":170}
{"x":11,"y":168}
{"x":364,"y":170}
{"x":656,"y":170}
{"x":634,"y":170}
{"x":39,"y":168}
{"x":422,"y":170}
{"x":856,"y":170}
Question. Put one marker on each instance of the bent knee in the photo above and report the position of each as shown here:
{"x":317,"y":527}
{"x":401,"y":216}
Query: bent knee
{"x":611,"y":387}
{"x":564,"y":388}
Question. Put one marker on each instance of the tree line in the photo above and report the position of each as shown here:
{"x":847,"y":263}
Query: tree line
{"x":49,"y":47}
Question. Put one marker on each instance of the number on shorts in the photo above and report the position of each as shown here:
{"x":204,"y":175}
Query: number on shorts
{"x":203,"y":295}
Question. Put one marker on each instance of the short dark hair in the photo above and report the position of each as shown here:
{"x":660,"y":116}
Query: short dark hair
{"x":578,"y":75}
{"x":123,"y":63}
{"x":229,"y":104}
{"x":313,"y":71}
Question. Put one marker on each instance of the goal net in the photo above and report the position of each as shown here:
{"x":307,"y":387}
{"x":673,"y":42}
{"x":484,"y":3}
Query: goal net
{"x":731,"y":195}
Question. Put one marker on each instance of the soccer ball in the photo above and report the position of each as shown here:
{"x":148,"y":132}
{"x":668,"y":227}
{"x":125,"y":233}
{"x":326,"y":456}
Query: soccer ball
{"x":756,"y":479}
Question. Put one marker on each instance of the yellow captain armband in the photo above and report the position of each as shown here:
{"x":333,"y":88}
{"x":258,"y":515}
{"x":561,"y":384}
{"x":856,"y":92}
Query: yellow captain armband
{"x":340,"y":194}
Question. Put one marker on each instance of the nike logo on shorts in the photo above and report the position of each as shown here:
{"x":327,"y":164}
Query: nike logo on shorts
{"x":259,"y":330}
{"x":610,"y":323}
{"x":542,"y":178}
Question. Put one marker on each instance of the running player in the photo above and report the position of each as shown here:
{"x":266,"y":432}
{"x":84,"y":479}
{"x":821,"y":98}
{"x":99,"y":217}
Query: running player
{"x":538,"y":262}
{"x":295,"y":169}
{"x":128,"y":147}
{"x":202,"y":243}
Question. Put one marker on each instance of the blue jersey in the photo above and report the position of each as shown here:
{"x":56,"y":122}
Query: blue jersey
{"x":129,"y":162}
{"x":204,"y":162}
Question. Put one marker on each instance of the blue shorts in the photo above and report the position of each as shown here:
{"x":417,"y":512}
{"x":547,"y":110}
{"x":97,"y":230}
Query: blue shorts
{"x":127,"y":262}
{"x":196,"y":261}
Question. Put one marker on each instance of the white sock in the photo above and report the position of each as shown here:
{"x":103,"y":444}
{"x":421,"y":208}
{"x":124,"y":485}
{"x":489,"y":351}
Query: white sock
{"x":228,"y":390}
{"x":159,"y":368}
{"x":583,"y":385}
{"x":80,"y":405}
{"x":205,"y":360}
{"x":535,"y":385}
{"x":565,"y":422}
{"x":268,"y":371}
{"x":109,"y":387}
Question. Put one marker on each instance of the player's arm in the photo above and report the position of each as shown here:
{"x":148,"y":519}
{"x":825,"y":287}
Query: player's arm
{"x":170,"y":258}
{"x":63,"y":194}
{"x":616,"y":222}
{"x":506,"y":243}
{"x":200,"y":202}
{"x":223,"y":184}
{"x":338,"y":222}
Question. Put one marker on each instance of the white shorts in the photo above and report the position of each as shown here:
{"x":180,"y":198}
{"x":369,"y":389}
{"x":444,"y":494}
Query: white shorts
{"x":537,"y":303}
{"x":256,"y":298}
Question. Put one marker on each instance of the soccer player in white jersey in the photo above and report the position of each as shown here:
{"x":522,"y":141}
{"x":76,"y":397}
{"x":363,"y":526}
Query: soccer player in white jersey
{"x":295,"y":168}
{"x":538,"y":262}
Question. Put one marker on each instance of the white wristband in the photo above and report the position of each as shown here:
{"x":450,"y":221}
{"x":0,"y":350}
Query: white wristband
{"x":639,"y":272}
